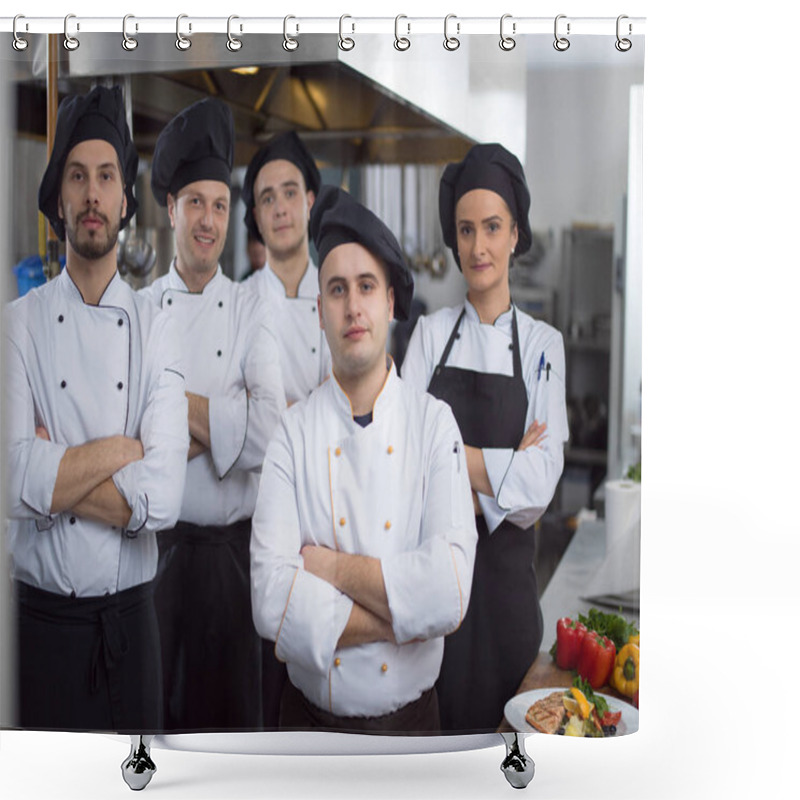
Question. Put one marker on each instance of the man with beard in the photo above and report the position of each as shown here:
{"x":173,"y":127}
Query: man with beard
{"x":96,"y":441}
{"x":211,"y":652}
{"x":278,"y":192}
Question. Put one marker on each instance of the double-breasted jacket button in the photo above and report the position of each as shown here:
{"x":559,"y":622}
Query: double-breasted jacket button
{"x":119,"y":385}
{"x":390,"y":449}
{"x":387,"y":525}
{"x":384,"y":667}
{"x":337,"y":662}
{"x":342,"y":521}
{"x":60,"y":317}
{"x":337,"y":451}
{"x":63,"y":384}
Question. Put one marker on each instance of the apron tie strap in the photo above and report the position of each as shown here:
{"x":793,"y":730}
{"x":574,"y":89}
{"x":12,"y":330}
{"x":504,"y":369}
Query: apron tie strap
{"x":112,"y":645}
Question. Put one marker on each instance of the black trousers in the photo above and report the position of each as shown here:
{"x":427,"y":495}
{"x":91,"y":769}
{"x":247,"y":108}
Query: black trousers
{"x":418,"y":718}
{"x":88,"y":664}
{"x":211,"y":653}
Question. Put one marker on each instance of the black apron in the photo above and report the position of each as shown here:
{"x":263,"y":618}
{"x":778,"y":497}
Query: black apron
{"x":486,"y":659}
{"x":88,"y":663}
{"x":420,"y":717}
{"x":211,"y":652}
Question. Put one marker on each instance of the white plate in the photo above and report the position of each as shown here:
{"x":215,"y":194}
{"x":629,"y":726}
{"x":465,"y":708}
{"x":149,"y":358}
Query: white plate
{"x":517,"y":707}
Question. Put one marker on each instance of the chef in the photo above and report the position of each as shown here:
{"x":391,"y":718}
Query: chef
{"x":363,"y":534}
{"x":502,"y":373}
{"x":211,"y":652}
{"x":279,"y":188}
{"x":97,"y":442}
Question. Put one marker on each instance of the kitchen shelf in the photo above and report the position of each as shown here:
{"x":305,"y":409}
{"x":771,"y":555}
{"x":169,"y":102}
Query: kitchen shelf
{"x":587,"y":345}
{"x":585,"y":319}
{"x":585,"y":455}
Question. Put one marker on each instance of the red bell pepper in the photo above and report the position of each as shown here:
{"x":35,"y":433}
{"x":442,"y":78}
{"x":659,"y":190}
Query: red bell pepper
{"x":596,"y":659}
{"x":569,"y":637}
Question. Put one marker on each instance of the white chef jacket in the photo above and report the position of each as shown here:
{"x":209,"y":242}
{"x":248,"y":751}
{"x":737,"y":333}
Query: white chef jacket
{"x":396,"y":490}
{"x":229,"y":356}
{"x":523,"y":481}
{"x":86,"y":372}
{"x":305,"y":357}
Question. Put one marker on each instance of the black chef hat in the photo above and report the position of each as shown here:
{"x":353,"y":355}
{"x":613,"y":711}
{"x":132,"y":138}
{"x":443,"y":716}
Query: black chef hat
{"x":486,"y":166}
{"x":336,"y":218}
{"x":286,"y":146}
{"x":98,"y":114}
{"x":196,"y":145}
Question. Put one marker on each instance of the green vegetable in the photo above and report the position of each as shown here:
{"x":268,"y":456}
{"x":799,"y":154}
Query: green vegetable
{"x":634,"y":473}
{"x":615,"y":626}
{"x":600,"y":704}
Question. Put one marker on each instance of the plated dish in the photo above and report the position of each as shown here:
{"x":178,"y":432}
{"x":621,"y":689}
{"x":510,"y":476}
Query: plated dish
{"x":517,"y":707}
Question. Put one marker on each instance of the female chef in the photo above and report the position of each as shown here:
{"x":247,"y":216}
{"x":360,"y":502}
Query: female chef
{"x":502,"y":373}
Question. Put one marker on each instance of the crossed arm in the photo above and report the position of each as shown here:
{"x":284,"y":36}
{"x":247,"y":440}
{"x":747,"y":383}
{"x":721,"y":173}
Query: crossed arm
{"x":361,"y":579}
{"x":479,"y":477}
{"x":83,"y":482}
{"x":199,"y":426}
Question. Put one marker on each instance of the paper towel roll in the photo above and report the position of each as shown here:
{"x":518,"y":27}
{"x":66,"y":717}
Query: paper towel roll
{"x":619,"y":571}
{"x":623,"y":511}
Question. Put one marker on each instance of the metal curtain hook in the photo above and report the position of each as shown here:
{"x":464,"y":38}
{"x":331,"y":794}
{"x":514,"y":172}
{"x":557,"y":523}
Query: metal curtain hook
{"x":128,"y":42}
{"x":70,"y":42}
{"x":451,"y":42}
{"x":561,"y":43}
{"x":623,"y":45}
{"x":19,"y":43}
{"x":233,"y":44}
{"x":181,"y":42}
{"x":507,"y":42}
{"x":289,"y":42}
{"x":401,"y":42}
{"x":345,"y":42}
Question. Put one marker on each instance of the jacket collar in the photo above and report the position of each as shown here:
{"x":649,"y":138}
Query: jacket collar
{"x":503,"y":322}
{"x":174,"y":280}
{"x":382,"y":403}
{"x":308,"y":288}
{"x":117,"y":293}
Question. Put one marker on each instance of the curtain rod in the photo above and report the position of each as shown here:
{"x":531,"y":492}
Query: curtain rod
{"x":452,"y":25}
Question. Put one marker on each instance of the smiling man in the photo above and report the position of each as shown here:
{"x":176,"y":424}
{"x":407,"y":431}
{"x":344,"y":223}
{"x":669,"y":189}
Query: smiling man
{"x":97,"y":441}
{"x":363,"y":536}
{"x":212,"y":654}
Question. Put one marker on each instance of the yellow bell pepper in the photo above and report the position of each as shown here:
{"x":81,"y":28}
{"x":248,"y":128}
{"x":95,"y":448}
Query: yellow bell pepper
{"x":633,"y":639}
{"x":625,"y":678}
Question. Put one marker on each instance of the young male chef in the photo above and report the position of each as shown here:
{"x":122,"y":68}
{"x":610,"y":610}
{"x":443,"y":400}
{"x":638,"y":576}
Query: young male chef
{"x":97,"y":443}
{"x":279,"y":188}
{"x":211,"y":652}
{"x":363,"y":535}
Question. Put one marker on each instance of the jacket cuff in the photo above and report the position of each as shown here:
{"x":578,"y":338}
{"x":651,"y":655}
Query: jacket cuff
{"x":127,"y":482}
{"x":227,"y":423}
{"x":40,"y":475}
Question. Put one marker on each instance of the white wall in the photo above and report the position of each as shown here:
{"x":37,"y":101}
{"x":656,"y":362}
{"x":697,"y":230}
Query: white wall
{"x":577,"y":149}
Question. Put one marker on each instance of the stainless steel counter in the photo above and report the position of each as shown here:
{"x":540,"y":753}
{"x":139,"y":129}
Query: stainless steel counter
{"x":581,"y":560}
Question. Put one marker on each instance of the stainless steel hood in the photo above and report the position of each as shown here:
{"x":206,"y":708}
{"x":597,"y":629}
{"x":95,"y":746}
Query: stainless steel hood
{"x":370,"y":105}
